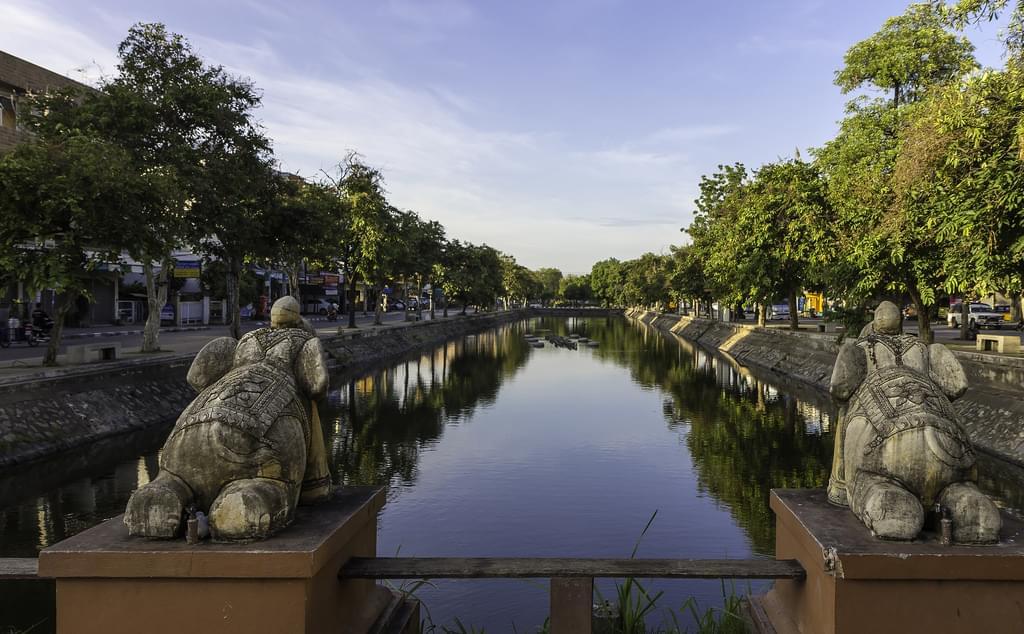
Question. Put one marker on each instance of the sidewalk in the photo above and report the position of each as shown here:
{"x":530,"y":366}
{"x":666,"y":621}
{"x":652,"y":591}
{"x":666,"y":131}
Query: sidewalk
{"x":176,"y":342}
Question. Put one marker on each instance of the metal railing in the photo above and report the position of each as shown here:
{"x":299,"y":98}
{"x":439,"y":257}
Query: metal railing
{"x":572,"y":579}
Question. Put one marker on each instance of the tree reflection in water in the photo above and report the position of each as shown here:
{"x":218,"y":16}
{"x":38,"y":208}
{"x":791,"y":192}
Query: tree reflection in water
{"x":376,"y":426}
{"x":744,"y":434}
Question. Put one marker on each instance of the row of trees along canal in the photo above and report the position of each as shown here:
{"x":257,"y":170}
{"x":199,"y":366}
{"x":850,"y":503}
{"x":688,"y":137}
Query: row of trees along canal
{"x":921,"y":190}
{"x":167,"y":153}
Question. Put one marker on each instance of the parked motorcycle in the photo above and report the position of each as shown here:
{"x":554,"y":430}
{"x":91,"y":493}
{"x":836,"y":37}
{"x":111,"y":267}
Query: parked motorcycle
{"x":332,"y":313}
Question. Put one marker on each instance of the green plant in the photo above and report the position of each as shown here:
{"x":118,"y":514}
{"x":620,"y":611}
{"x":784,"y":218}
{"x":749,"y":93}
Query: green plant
{"x":725,"y":620}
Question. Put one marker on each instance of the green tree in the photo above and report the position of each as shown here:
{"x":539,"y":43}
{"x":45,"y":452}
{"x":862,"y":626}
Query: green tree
{"x":687,"y":281}
{"x":362,"y":236}
{"x":719,"y":206}
{"x":66,"y":211}
{"x":518,"y":281}
{"x":646,"y":281}
{"x":485,"y":271}
{"x":575,"y":289}
{"x":606,"y":281}
{"x":299,"y":226}
{"x":910,"y":52}
{"x":233,"y":217}
{"x":174,"y":114}
{"x":883,"y":239}
{"x":549,"y":279}
{"x":454,"y":273}
{"x":967,"y":170}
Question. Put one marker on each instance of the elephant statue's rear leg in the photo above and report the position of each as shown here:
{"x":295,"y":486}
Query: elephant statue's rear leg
{"x":155,"y":509}
{"x":253,"y":508}
{"x":975,"y":518}
{"x":888,"y":509}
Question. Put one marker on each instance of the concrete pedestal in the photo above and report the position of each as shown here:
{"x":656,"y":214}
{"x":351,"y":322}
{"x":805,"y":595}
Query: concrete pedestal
{"x":857,"y":583}
{"x":109,"y":582}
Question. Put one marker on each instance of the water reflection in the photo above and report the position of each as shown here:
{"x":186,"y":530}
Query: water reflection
{"x":745,"y":435}
{"x":47,"y":502}
{"x":377,"y":426}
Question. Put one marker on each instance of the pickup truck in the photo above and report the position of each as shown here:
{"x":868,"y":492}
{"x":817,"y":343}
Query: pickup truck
{"x":979,"y":316}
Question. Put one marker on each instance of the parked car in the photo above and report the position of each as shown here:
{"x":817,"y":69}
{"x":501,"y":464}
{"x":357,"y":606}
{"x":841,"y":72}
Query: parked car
{"x":396,"y":305}
{"x":1006,"y":310}
{"x":318,"y":306}
{"x":979,"y":316}
{"x":167,"y":314}
{"x":778,"y":312}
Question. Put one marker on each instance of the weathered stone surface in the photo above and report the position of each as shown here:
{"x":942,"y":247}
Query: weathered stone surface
{"x":212,"y":362}
{"x":240,"y":450}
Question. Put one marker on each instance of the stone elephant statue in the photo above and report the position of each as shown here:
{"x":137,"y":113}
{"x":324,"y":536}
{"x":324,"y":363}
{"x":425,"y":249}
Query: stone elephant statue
{"x":250,"y":445}
{"x":900,"y":446}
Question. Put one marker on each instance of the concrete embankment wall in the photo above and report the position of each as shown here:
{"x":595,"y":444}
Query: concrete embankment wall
{"x":43,"y":416}
{"x":992,"y":410}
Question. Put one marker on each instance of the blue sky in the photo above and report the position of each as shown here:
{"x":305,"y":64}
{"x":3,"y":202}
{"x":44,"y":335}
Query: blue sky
{"x":562,"y":132}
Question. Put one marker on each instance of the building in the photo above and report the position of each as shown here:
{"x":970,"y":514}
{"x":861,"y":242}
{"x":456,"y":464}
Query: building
{"x":17,"y":79}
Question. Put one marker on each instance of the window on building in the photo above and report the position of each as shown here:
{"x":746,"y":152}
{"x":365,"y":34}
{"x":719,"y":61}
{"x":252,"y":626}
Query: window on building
{"x":7,"y":113}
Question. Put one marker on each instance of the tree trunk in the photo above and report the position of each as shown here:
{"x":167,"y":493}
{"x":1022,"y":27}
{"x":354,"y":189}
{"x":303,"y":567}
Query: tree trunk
{"x":407,"y":316}
{"x":156,"y":297}
{"x":419,"y":298}
{"x":430,"y":282}
{"x":465,"y":305}
{"x":378,"y":309}
{"x":50,"y":358}
{"x":446,"y":306}
{"x":762,"y":314}
{"x":794,"y":318}
{"x":352,"y":305}
{"x":1015,"y":313}
{"x":924,"y":322}
{"x":293,"y":276}
{"x":234,"y":277}
{"x":965,"y":314}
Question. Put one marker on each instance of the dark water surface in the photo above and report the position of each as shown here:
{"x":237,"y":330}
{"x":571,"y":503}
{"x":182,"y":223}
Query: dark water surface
{"x":492,"y":448}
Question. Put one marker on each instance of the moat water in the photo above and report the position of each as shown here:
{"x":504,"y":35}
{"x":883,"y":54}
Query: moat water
{"x":489,"y":447}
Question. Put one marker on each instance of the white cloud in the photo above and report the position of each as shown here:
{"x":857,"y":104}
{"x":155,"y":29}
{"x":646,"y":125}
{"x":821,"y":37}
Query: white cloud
{"x":532,"y":193}
{"x":29,"y":30}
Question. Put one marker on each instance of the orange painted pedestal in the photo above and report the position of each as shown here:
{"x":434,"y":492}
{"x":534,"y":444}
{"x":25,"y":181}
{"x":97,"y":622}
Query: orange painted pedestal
{"x":108,"y":582}
{"x":856,"y":583}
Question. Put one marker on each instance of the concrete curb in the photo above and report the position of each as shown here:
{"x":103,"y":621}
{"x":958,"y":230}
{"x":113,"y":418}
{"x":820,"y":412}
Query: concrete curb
{"x":120,"y":333}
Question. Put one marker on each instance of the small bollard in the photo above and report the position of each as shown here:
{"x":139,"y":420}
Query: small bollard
{"x":192,"y":527}
{"x":946,"y":528}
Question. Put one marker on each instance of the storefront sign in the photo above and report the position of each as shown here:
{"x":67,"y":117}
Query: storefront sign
{"x":186,"y":268}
